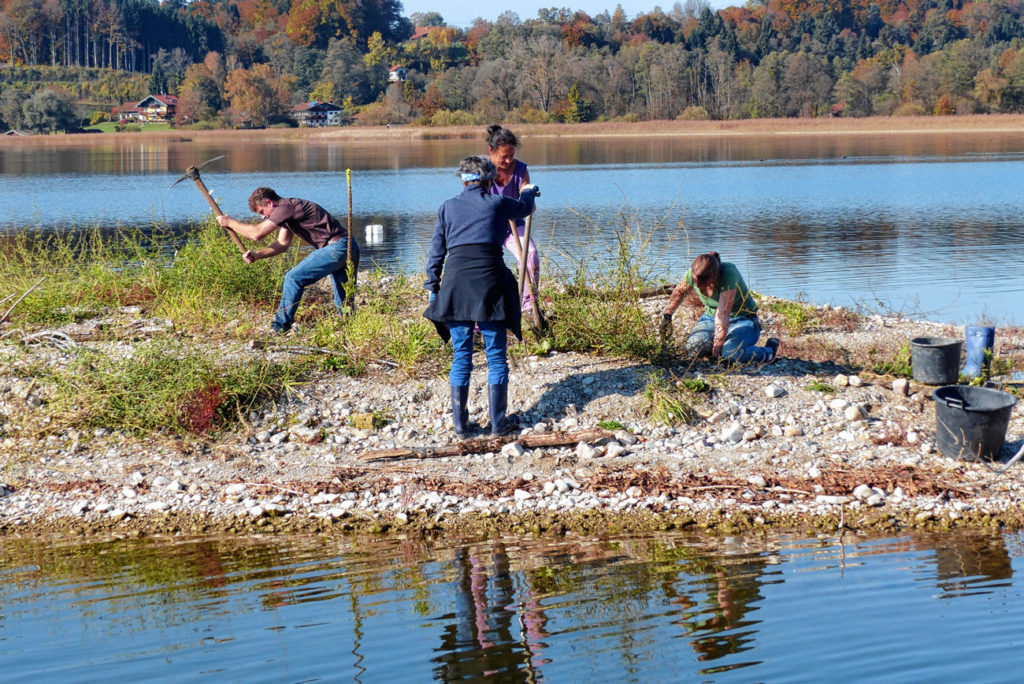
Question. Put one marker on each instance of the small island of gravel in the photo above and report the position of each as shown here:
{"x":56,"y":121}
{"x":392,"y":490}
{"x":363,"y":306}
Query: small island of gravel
{"x":832,"y":436}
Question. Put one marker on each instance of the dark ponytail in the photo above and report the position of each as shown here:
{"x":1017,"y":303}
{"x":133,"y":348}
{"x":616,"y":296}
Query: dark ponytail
{"x":497,"y":136}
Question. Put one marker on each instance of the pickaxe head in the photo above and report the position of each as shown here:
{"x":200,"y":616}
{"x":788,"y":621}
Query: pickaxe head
{"x":192,"y":172}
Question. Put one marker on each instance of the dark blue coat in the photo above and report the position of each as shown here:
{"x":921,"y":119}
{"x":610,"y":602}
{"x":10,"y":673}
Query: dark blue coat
{"x":472,"y":218}
{"x":477,"y":285}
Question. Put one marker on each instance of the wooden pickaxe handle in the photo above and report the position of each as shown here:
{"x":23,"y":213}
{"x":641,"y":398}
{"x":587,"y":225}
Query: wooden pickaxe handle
{"x":193,"y":173}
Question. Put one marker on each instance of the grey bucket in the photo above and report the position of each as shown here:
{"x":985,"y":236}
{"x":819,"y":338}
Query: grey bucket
{"x":935,"y":360}
{"x":971,"y":422}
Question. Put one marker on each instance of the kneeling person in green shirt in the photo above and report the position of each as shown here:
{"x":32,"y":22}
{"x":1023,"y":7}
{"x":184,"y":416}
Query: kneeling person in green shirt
{"x":729,"y":328}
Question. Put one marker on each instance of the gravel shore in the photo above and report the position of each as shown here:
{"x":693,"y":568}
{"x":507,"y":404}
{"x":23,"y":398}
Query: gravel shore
{"x":815,"y":440}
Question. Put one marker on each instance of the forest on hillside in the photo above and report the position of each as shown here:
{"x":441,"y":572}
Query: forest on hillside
{"x":250,"y":62}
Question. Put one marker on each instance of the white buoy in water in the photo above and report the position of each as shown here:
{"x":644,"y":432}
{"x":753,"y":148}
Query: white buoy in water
{"x":374,"y":233}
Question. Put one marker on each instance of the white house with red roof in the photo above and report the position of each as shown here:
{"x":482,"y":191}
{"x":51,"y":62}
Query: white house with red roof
{"x":160,"y":107}
{"x":318,"y":114}
{"x":397,"y":73}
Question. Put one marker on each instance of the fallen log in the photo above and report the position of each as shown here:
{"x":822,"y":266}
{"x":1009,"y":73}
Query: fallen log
{"x":482,"y":445}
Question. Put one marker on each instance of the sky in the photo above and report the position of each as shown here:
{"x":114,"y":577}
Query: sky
{"x":461,"y":13}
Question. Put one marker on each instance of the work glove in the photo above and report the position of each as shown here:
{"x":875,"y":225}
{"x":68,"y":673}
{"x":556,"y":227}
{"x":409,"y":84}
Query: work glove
{"x":530,"y":187}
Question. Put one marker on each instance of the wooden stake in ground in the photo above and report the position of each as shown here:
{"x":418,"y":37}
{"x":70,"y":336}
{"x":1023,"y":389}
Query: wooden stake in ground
{"x":349,"y":264}
{"x":484,"y":444}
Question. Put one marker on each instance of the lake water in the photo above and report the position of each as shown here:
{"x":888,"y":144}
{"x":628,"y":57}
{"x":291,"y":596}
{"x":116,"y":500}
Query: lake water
{"x":670,"y":607}
{"x":925,"y":224}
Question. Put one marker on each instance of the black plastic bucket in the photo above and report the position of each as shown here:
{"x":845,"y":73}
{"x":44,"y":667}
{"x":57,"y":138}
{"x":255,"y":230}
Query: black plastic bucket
{"x":935,"y":360}
{"x":971,"y":422}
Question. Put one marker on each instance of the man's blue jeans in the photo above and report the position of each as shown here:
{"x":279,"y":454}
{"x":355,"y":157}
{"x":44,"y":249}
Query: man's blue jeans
{"x":740,"y":340}
{"x":326,"y":261}
{"x":495,"y":346}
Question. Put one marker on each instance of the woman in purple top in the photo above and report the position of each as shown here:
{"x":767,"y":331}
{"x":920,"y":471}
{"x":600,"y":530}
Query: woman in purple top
{"x":511,"y":176}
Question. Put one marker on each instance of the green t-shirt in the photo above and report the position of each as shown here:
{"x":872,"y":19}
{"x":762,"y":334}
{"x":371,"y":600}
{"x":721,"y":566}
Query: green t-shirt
{"x":730,"y":279}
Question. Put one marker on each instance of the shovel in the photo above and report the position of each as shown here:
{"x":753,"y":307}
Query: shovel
{"x":193,"y":173}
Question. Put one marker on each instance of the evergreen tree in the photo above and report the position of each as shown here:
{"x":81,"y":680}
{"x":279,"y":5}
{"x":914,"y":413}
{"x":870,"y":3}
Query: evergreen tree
{"x":158,"y":79}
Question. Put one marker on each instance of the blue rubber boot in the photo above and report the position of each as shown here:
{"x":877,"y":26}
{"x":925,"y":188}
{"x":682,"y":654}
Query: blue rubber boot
{"x":460,"y":411}
{"x":980,"y":338}
{"x":501,"y":424}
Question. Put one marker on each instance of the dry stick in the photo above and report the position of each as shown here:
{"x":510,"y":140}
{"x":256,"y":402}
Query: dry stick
{"x":3,"y":319}
{"x":329,"y":352}
{"x":271,"y":484}
{"x":485,"y":444}
{"x":1008,"y":465}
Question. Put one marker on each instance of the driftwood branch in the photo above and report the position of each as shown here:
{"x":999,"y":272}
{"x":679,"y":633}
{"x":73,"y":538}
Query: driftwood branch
{"x":484,"y":444}
{"x":3,"y":319}
{"x":54,"y":338}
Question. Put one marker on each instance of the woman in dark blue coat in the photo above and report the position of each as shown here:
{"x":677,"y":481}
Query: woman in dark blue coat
{"x":477,"y":288}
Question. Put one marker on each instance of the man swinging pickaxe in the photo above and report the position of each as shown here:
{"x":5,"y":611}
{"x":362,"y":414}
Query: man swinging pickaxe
{"x":193,"y":173}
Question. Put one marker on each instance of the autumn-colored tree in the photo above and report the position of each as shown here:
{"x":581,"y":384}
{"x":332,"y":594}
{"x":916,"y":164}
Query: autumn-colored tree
{"x":256,"y":95}
{"x":944,"y":106}
{"x":378,"y":51}
{"x":315,"y":22}
{"x":200,"y":97}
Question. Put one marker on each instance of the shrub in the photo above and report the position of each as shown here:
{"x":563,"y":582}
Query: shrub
{"x":909,"y":109}
{"x":944,"y":106}
{"x":694,"y":113}
{"x":167,"y":386}
{"x":600,"y":308}
{"x":797,"y":317}
{"x":459,"y":117}
{"x":667,"y":402}
{"x":380,"y":114}
{"x":898,"y":366}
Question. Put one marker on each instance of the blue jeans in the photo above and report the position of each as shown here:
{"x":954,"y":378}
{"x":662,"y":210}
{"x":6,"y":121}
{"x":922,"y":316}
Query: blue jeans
{"x":326,"y":261}
{"x":495,"y":345}
{"x":740,"y":340}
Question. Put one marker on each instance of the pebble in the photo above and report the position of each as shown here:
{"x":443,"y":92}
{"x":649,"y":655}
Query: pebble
{"x":854,"y":413}
{"x":513,"y":450}
{"x":832,"y":500}
{"x":733,"y":433}
{"x":614,"y":450}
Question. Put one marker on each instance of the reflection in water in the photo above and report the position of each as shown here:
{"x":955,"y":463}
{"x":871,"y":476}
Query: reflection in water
{"x":975,"y":564}
{"x":643,"y":608}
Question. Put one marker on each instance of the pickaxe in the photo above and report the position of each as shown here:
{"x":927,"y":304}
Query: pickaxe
{"x":193,"y":173}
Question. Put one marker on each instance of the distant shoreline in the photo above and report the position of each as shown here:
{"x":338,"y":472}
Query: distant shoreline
{"x":960,"y":125}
